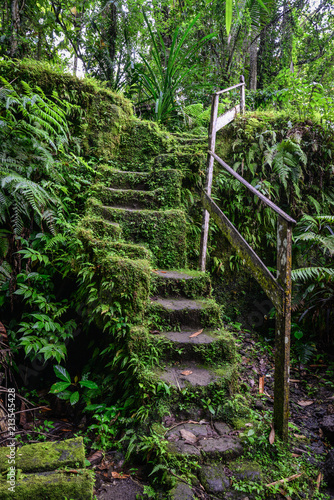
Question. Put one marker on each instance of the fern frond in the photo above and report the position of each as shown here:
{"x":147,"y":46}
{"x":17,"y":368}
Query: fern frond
{"x":311,"y":273}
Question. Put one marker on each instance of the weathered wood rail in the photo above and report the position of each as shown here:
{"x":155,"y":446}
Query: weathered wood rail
{"x":277,"y":289}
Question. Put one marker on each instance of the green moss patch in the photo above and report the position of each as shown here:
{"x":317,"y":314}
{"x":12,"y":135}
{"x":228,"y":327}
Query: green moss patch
{"x":50,"y":486}
{"x":46,"y":456}
{"x":163,"y":231}
{"x":125,"y":281}
{"x":186,"y":283}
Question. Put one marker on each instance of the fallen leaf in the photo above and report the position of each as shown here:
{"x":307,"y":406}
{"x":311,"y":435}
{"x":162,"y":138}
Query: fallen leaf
{"x":300,"y":436}
{"x":195,"y":334}
{"x":295,"y":455}
{"x":154,"y":331}
{"x":272,"y":434}
{"x":321,"y":433}
{"x":319,"y":479}
{"x":116,"y":475}
{"x":164,"y":272}
{"x":261,"y":385}
{"x":186,"y":372}
{"x":249,"y":425}
{"x":95,"y":458}
{"x":304,"y":403}
{"x":188,"y":436}
{"x":294,"y":380}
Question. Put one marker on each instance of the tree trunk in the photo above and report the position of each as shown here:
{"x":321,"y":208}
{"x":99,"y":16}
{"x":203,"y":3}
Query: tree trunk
{"x":253,"y":64}
{"x":15,"y":27}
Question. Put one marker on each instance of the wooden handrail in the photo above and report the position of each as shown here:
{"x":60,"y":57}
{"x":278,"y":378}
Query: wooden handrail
{"x":278,"y":289}
{"x":229,"y":88}
{"x":265,"y":200}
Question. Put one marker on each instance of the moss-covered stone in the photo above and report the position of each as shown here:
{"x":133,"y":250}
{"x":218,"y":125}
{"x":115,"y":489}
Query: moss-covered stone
{"x":185,"y":283}
{"x":131,"y":198}
{"x":170,"y":314}
{"x":216,"y":347}
{"x":46,"y":456}
{"x":50,"y":486}
{"x":163,"y":231}
{"x":125,"y":281}
{"x":99,"y":119}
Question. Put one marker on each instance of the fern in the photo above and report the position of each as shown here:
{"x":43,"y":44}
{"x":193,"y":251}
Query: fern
{"x":311,"y":273}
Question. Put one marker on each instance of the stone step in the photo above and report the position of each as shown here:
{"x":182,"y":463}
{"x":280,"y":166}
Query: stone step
{"x":211,"y":441}
{"x":42,"y":470}
{"x":209,"y":346}
{"x":101,"y":228}
{"x":167,"y":178}
{"x":131,"y":198}
{"x":174,"y":313}
{"x":186,"y":283}
{"x":123,"y":179}
{"x":163,"y":231}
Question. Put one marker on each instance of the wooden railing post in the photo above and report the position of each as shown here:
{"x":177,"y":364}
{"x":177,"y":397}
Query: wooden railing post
{"x":208,"y":181}
{"x":283,"y":330}
{"x":242,"y":95}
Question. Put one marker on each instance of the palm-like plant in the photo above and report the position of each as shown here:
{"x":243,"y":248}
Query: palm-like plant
{"x":162,"y":78}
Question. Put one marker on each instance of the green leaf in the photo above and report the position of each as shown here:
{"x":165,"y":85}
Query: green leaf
{"x":59,"y":387}
{"x":228,"y":15}
{"x":74,"y":398}
{"x":62,"y":373}
{"x":89,"y":384}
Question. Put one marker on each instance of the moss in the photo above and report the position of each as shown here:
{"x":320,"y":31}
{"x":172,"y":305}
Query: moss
{"x":125,"y":281}
{"x":143,"y":141}
{"x":207,"y":314}
{"x":100,"y":116}
{"x":195,"y":285}
{"x":46,"y":456}
{"x":162,"y":231}
{"x":99,"y":228}
{"x":50,"y":486}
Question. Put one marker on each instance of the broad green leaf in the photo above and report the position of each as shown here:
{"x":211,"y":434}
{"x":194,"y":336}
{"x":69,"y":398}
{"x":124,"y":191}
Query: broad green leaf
{"x":62,"y":373}
{"x":59,"y":387}
{"x":89,"y":384}
{"x":74,"y":398}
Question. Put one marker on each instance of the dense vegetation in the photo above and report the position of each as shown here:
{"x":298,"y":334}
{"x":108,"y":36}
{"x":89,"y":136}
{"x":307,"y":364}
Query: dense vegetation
{"x":56,"y":130}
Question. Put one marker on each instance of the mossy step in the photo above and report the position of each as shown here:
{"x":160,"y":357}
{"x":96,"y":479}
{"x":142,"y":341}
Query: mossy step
{"x":106,"y":246}
{"x":191,"y":374}
{"x":212,"y":346}
{"x":122,"y":179}
{"x":49,"y":486}
{"x":187,"y":283}
{"x":174,"y":312}
{"x":132,"y":198}
{"x":126,"y":281}
{"x":100,"y":227}
{"x":45,"y":456}
{"x":163,"y":231}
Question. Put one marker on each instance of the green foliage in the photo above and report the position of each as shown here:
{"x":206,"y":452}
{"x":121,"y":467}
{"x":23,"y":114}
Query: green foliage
{"x":62,"y":388}
{"x":161,"y":79}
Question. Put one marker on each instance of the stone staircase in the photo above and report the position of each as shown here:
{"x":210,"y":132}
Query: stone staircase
{"x":136,"y":226}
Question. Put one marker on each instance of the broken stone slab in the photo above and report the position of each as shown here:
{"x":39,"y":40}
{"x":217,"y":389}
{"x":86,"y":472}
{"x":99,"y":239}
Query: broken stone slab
{"x":225,"y":447}
{"x":181,"y":491}
{"x":222,"y":428}
{"x":182,"y":448}
{"x":213,"y":479}
{"x":49,"y":486}
{"x":45,"y":456}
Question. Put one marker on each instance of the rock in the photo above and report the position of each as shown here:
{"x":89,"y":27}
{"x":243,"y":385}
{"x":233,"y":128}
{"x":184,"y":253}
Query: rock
{"x":182,"y":448}
{"x":329,"y":469}
{"x":214,"y":479}
{"x":225,"y":447}
{"x":188,"y":436}
{"x":327,"y":425}
{"x":246,"y":470}
{"x":181,"y":491}
{"x":197,"y":429}
{"x":221,"y":428}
